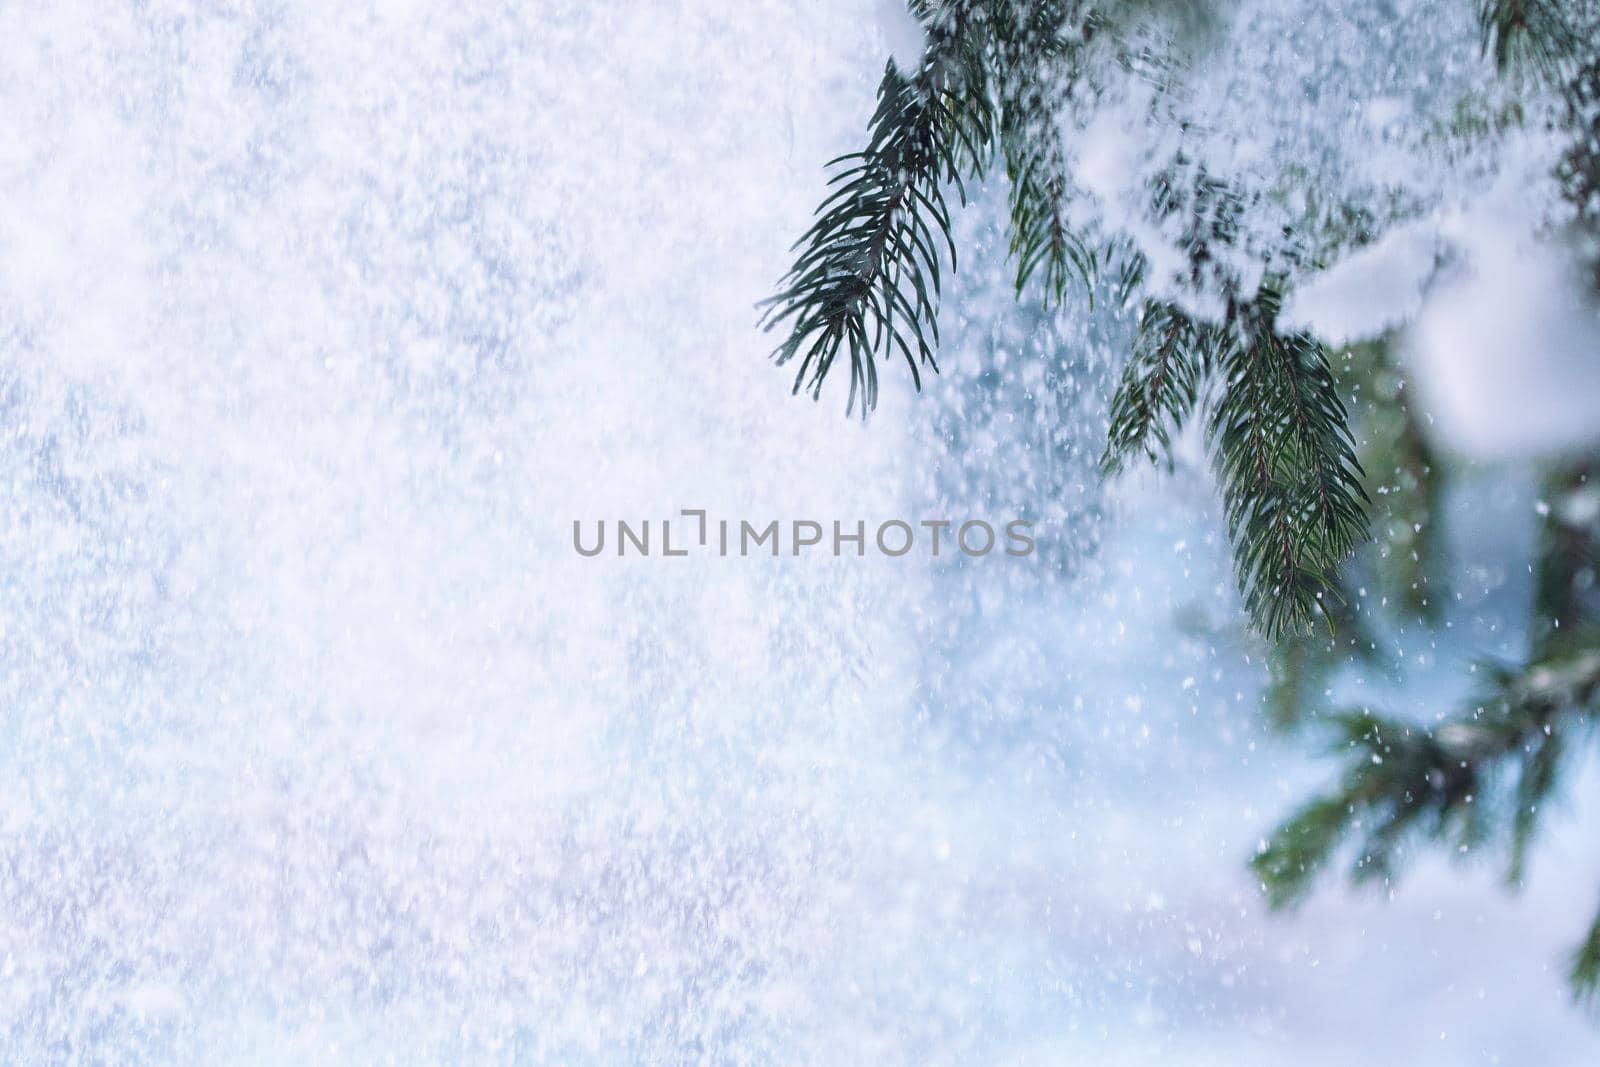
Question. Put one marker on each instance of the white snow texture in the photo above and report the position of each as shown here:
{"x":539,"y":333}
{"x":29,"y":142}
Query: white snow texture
{"x":322,"y":322}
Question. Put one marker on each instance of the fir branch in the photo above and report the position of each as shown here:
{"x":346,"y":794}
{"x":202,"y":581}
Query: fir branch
{"x":1402,"y":561}
{"x":1041,"y":240}
{"x":867,"y":278}
{"x":1210,"y":210}
{"x":1448,"y":783}
{"x":1040,"y":51}
{"x":1159,"y":387}
{"x":999,"y":74}
{"x":1291,"y":484}
{"x":1491,"y":768}
{"x":1537,"y":34}
{"x":1279,"y":433}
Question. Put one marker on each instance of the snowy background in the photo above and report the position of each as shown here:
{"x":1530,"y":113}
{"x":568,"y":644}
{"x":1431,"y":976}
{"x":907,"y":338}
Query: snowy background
{"x":318,"y":744}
